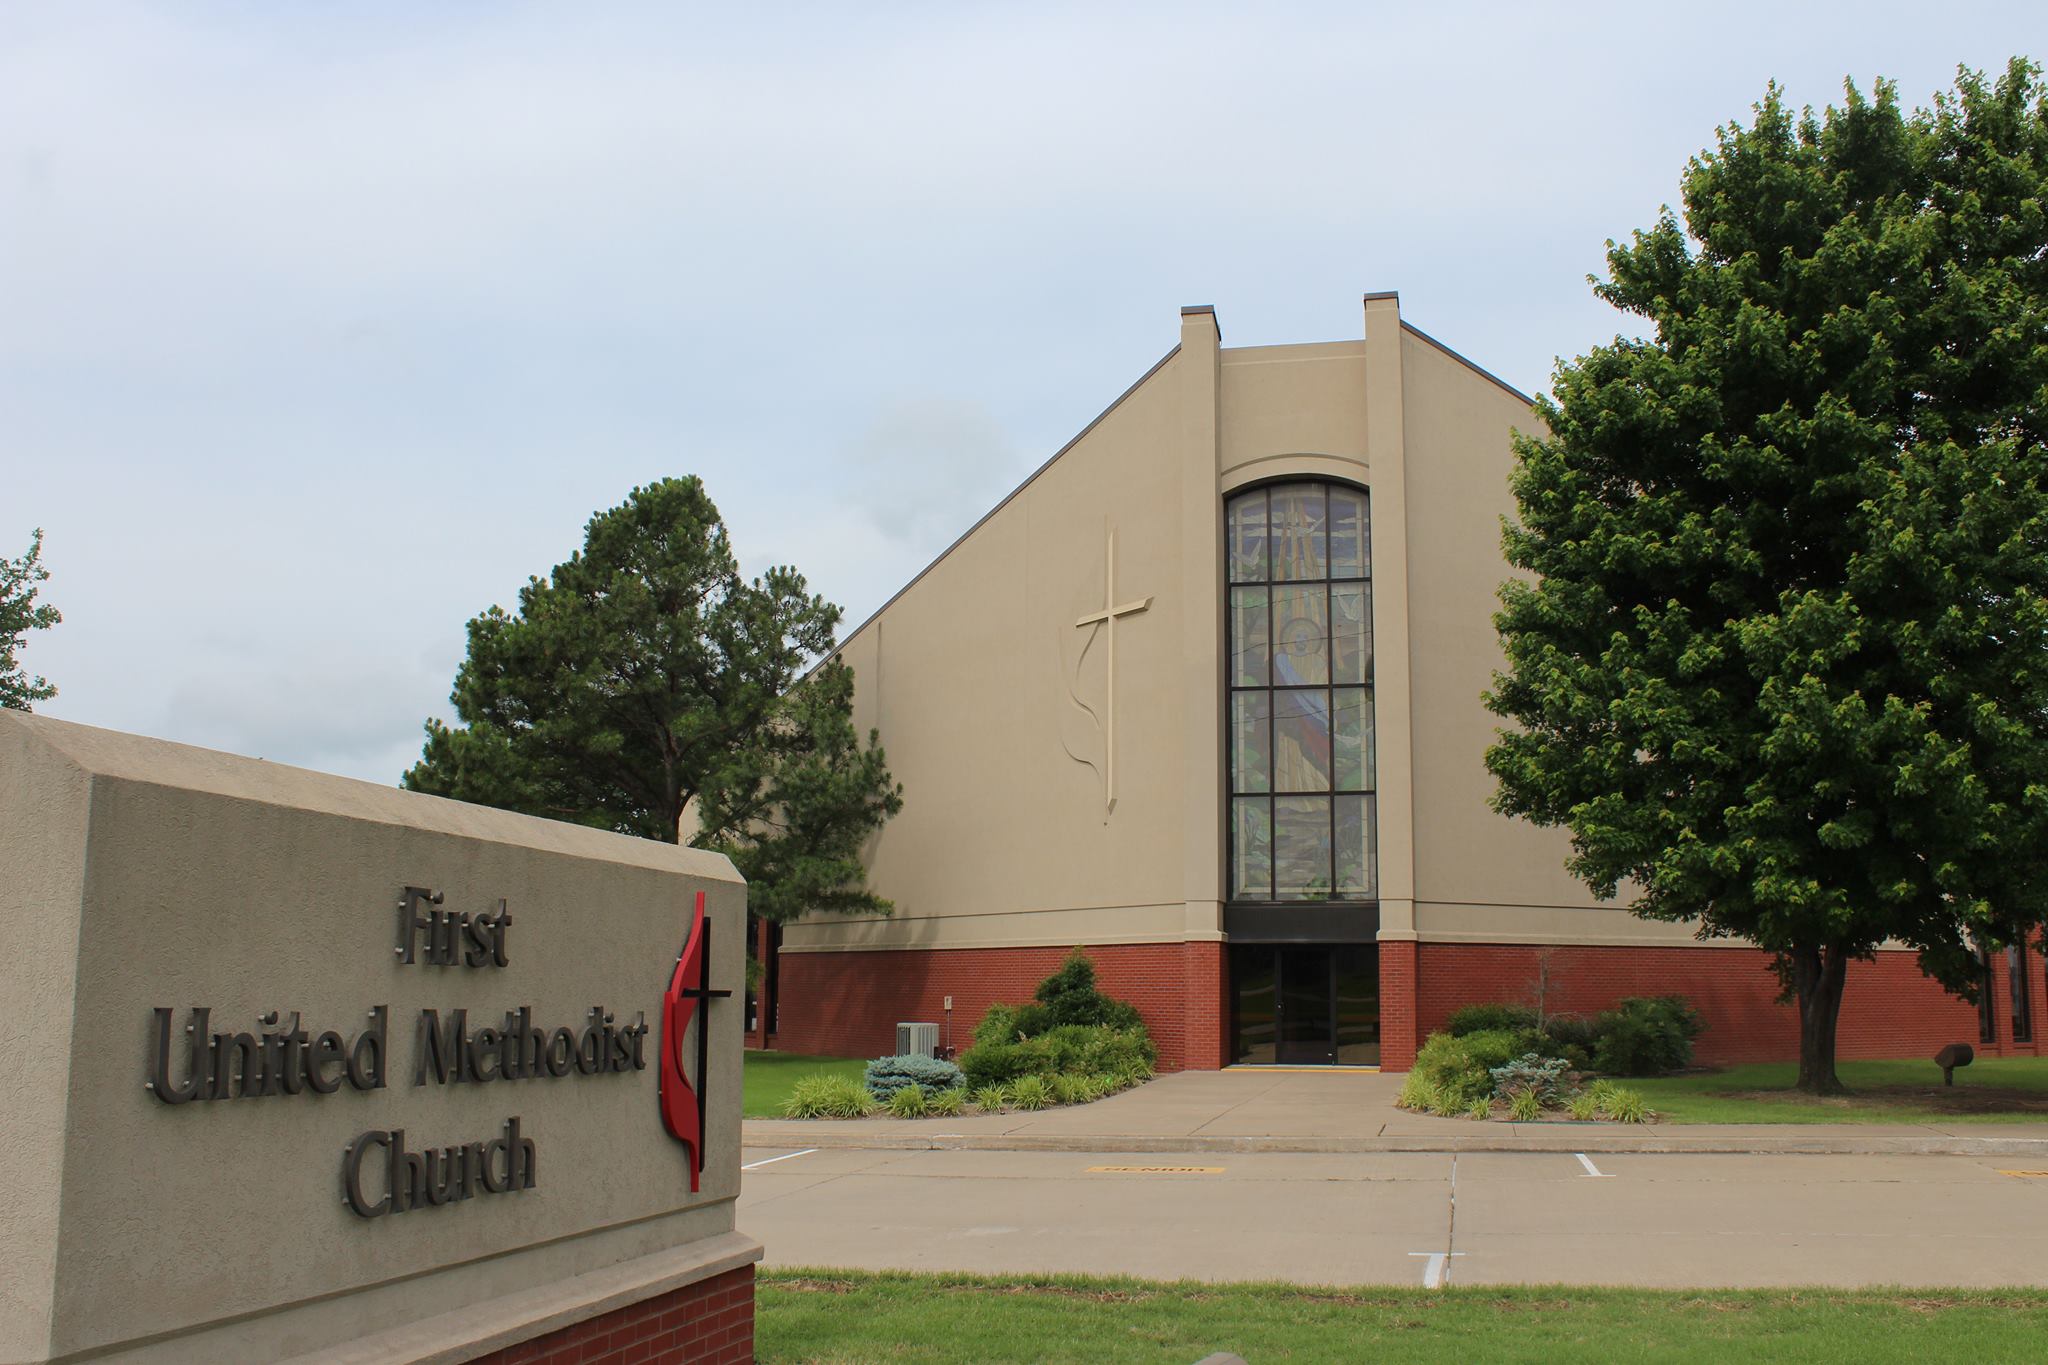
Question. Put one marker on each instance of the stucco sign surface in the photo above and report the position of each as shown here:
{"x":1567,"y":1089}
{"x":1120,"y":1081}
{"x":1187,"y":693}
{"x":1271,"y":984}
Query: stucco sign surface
{"x":307,"y":1055}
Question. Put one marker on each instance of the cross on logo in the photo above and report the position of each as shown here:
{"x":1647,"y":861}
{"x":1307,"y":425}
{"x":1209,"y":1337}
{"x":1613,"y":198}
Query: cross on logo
{"x":682,"y":1106}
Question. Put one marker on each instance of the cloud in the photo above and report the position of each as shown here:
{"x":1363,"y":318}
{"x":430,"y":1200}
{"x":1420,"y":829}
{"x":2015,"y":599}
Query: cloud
{"x":334,"y":715}
{"x":322,"y":327}
{"x":926,"y":469}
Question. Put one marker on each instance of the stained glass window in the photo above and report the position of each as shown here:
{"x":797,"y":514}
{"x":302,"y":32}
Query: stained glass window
{"x":1300,"y":673}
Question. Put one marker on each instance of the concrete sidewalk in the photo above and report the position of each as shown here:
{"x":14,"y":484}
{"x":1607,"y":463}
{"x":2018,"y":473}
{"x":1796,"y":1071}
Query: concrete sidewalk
{"x":1353,"y":1111}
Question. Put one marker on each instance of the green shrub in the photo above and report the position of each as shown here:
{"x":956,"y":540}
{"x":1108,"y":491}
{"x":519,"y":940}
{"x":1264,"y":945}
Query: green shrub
{"x":1070,"y":997}
{"x":1525,"y":1107}
{"x":1625,"y":1106}
{"x":999,"y":1025}
{"x":989,"y":1099}
{"x":1542,"y":1076}
{"x":887,"y":1075}
{"x":1449,"y":1106}
{"x":826,"y":1096}
{"x":1418,"y":1093}
{"x":909,"y":1103}
{"x":1571,"y":1030}
{"x":1069,"y":1050}
{"x":1583,"y":1108}
{"x":990,"y":1064}
{"x":1030,"y":1092}
{"x":1448,"y":1075}
{"x":1646,"y":1037}
{"x":1481,"y":1110}
{"x":1487,"y":1018}
{"x":948,"y":1103}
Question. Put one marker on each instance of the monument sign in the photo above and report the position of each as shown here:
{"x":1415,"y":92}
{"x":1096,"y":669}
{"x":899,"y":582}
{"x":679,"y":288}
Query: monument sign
{"x":311,"y":1068}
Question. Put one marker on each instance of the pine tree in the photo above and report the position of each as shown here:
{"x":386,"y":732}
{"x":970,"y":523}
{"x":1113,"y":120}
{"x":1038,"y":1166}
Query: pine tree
{"x":645,"y":687}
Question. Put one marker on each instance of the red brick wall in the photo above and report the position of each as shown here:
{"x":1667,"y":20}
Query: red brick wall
{"x":1398,"y":1036}
{"x":1888,"y":1008}
{"x":707,"y":1323}
{"x":848,"y":1004}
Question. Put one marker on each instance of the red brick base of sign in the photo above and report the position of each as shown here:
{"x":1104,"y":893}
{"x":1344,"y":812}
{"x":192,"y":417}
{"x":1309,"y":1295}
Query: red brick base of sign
{"x":707,"y":1323}
{"x":848,"y":1004}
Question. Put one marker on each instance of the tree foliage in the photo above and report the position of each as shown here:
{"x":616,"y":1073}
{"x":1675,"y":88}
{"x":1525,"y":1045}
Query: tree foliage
{"x":1782,"y":662}
{"x":21,"y":580}
{"x":645,"y":687}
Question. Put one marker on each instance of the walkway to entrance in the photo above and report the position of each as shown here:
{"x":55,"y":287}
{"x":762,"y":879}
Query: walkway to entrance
{"x":1353,"y":1111}
{"x":1250,"y":1102}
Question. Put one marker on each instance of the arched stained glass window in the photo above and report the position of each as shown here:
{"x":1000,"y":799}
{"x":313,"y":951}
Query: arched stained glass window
{"x":1300,"y":673}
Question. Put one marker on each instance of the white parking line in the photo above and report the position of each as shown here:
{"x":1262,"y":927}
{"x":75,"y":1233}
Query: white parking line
{"x":1437,"y":1262}
{"x":1591,"y":1169}
{"x":770,"y":1161}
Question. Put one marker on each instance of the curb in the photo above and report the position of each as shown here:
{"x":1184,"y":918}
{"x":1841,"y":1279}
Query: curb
{"x":819,"y":1134}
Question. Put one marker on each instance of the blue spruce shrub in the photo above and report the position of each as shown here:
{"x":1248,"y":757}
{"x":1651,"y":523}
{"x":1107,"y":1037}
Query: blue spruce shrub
{"x":887,"y":1075}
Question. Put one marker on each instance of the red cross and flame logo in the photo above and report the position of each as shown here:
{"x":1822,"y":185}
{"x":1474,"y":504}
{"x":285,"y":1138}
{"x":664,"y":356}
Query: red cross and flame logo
{"x":682,"y":1105}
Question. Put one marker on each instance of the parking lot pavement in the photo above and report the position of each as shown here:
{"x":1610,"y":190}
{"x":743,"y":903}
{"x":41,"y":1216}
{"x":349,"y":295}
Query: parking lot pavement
{"x":1408,"y":1218}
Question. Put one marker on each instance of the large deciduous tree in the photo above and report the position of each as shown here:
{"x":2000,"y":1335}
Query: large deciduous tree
{"x":1781,"y":661}
{"x":20,"y":580}
{"x":645,"y":687}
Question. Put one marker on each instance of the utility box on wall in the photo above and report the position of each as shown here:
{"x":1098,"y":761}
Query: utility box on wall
{"x":917,"y":1040}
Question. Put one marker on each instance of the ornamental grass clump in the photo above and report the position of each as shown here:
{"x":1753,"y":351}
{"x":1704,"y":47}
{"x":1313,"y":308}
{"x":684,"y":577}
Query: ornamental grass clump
{"x":825,"y":1096}
{"x":1030,"y":1092}
{"x":1525,"y":1107}
{"x":1481,"y":1110}
{"x":990,"y":1099}
{"x":1625,"y":1106}
{"x":947,"y":1104}
{"x":1583,"y":1108}
{"x":909,"y":1103}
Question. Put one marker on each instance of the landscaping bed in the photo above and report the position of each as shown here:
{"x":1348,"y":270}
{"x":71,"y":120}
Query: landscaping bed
{"x":1509,"y":1062}
{"x":1070,"y":1045}
{"x":850,"y":1318}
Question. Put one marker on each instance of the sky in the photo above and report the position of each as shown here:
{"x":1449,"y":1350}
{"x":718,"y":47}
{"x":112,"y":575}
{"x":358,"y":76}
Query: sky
{"x":322,"y":327}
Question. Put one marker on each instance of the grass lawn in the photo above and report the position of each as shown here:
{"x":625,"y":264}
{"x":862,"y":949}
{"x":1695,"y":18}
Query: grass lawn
{"x":769,"y":1075}
{"x":1995,"y":1090}
{"x":845,"y":1317}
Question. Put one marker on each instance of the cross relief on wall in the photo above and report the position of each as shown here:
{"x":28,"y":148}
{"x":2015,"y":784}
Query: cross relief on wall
{"x":1101,"y":626}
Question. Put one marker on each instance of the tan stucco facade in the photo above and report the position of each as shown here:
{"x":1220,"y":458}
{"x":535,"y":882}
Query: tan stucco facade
{"x":137,"y":875}
{"x":995,"y":708}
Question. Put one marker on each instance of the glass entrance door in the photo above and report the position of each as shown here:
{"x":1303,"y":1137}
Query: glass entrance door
{"x":1305,"y":1004}
{"x":1307,"y":1033}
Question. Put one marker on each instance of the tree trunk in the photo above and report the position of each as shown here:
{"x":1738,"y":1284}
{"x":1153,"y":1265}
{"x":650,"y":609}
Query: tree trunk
{"x":1817,"y":978}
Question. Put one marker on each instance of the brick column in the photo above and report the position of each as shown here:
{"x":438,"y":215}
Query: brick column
{"x":1399,"y":1037}
{"x":1204,"y":1012}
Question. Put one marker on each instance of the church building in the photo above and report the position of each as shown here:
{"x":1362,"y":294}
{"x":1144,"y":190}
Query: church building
{"x":1203,"y":697}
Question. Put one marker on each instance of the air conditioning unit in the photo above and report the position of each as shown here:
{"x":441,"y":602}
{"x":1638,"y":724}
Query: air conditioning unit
{"x":917,"y":1040}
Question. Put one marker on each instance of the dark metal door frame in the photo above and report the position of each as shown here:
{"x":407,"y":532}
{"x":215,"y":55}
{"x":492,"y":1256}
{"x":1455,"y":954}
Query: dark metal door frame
{"x":1321,"y":1051}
